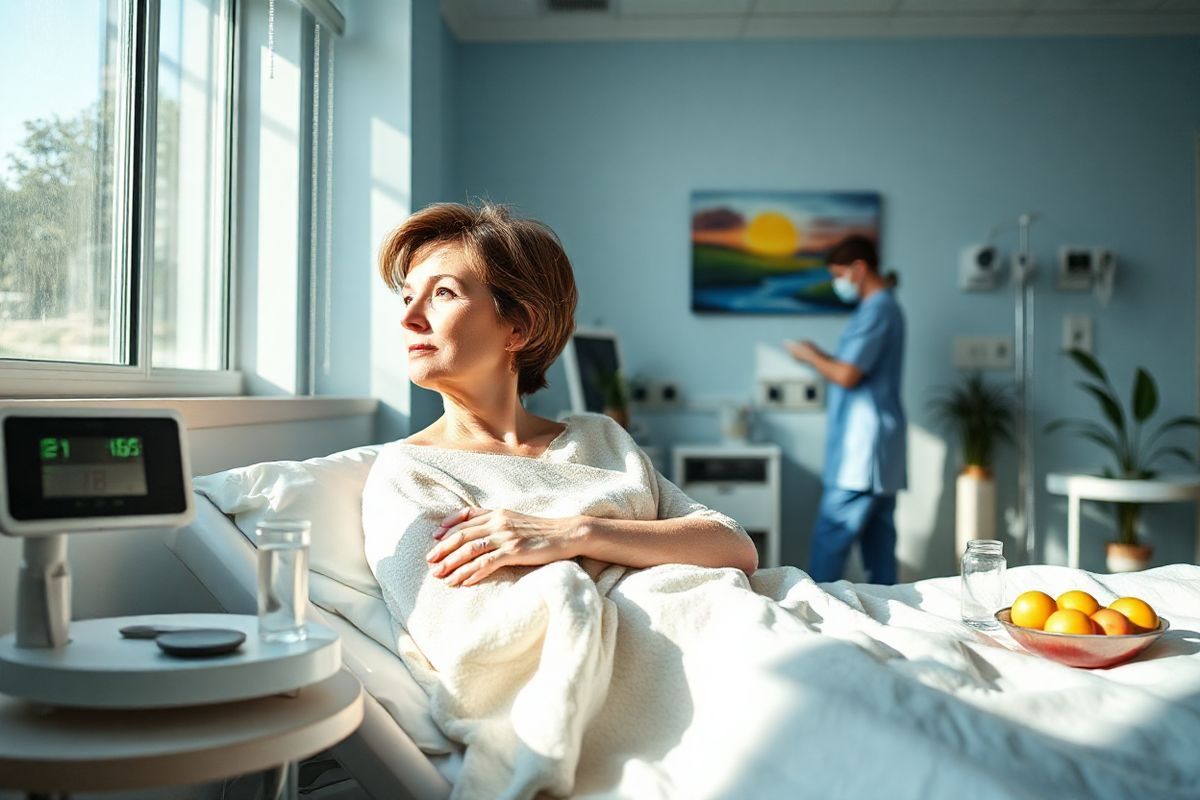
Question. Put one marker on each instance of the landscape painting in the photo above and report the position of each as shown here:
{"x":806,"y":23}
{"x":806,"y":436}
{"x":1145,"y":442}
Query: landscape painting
{"x":764,"y":252}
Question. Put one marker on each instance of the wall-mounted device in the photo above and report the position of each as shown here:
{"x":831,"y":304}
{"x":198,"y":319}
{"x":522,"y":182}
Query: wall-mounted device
{"x":1081,"y":269}
{"x":791,"y":394}
{"x":982,"y":352}
{"x":978,"y":268}
{"x":1074,"y":269}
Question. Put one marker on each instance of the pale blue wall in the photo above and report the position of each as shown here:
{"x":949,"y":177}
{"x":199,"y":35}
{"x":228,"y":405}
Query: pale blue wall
{"x":605,"y":141}
{"x":435,"y":58}
{"x":393,"y":152}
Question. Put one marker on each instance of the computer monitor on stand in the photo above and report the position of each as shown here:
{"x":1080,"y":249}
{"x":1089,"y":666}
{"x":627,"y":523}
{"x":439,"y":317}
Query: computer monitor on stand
{"x":593,"y":362}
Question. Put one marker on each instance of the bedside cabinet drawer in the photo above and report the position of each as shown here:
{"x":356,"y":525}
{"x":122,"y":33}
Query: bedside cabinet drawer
{"x":752,"y":506}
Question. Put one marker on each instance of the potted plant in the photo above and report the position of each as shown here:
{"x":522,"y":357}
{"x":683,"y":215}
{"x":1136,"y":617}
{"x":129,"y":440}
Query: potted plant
{"x":980,"y":416}
{"x":616,"y":399}
{"x":1134,"y":454}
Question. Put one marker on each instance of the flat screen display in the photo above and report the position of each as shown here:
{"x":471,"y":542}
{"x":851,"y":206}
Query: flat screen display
{"x":92,"y":466}
{"x":598,"y":367}
{"x":63,"y":467}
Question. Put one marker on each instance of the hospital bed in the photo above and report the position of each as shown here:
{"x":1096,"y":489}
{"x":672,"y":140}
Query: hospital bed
{"x":400,"y":753}
{"x":397,"y":752}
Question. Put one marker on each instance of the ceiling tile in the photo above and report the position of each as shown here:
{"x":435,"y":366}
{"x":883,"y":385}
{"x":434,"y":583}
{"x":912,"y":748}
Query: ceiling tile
{"x":471,"y":9}
{"x":1055,"y":6}
{"x":960,"y":8}
{"x":1133,"y":24}
{"x":681,"y":8}
{"x":837,"y":7}
{"x":595,"y":27}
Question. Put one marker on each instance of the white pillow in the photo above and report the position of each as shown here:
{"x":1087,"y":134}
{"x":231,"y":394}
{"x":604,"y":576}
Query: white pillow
{"x":326,"y":491}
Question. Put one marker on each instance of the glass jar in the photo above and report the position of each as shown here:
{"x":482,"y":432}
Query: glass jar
{"x":982,"y":582}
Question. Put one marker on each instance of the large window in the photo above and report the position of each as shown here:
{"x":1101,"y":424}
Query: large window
{"x":115,"y":155}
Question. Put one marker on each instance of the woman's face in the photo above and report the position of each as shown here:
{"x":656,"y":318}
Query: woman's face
{"x":455,"y":338}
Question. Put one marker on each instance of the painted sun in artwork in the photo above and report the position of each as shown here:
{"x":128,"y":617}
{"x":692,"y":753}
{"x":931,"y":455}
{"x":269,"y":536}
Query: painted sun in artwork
{"x":772,"y":234}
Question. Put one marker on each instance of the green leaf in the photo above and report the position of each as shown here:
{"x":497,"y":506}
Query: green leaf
{"x":1088,"y":364}
{"x":1108,"y":404}
{"x":1145,"y":396}
{"x":1059,"y":424}
{"x":1098,"y":433}
{"x":1173,"y":450}
{"x":1104,"y":442}
{"x":1178,"y":422}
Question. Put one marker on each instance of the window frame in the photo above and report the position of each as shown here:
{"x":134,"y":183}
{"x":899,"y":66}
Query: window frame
{"x":133,"y":240}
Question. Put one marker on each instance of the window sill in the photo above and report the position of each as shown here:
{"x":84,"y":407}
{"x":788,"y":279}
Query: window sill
{"x":41,"y":380}
{"x":223,"y":412}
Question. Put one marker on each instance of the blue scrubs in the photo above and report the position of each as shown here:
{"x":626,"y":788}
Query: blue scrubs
{"x":866,"y":449}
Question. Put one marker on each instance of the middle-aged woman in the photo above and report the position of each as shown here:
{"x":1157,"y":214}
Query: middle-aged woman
{"x":489,"y":301}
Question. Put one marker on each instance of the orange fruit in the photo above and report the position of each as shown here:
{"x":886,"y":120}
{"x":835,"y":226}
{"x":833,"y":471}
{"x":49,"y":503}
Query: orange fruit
{"x":1070,"y":621}
{"x":1113,"y":623}
{"x":1032,"y":609}
{"x":1138,"y":612}
{"x":1078,"y":600}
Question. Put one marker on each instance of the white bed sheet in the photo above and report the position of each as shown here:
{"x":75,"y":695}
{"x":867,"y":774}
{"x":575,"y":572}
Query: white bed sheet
{"x":223,"y":558}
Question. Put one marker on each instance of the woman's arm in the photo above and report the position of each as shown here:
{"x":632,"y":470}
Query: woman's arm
{"x":475,"y":542}
{"x":647,"y":543}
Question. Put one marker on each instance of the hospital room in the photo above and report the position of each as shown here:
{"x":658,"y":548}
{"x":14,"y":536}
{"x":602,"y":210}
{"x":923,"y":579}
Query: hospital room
{"x":426,"y":399}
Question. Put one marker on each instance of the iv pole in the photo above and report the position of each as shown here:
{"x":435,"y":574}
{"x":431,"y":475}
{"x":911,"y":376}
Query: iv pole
{"x":1022,"y":526}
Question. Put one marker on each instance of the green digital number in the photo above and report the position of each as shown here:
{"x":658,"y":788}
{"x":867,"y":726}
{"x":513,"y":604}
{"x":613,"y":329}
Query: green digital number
{"x":54,"y":448}
{"x":125,"y":447}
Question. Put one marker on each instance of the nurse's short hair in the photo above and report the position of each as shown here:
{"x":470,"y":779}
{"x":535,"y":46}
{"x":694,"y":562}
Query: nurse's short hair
{"x":851,"y":249}
{"x":521,"y":262}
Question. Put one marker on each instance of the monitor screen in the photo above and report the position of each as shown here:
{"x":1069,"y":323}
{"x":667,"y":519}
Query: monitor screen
{"x":92,"y":466}
{"x":73,"y":470}
{"x":597,"y":364}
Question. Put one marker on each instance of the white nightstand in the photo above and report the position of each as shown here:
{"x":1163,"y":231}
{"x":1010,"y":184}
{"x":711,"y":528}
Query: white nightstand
{"x":106,"y":713}
{"x":741,"y":481}
{"x":51,"y":750}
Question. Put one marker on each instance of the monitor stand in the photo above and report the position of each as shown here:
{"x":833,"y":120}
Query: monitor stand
{"x":44,"y":593}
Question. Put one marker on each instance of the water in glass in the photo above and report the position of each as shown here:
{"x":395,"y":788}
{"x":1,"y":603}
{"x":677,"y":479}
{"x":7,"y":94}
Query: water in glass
{"x":282,"y":582}
{"x":982,"y":583}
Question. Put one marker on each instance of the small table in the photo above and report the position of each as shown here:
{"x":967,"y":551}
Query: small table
{"x":56,"y":749}
{"x":1077,"y":487}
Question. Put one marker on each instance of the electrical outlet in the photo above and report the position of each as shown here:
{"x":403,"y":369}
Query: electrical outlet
{"x":983,"y":352}
{"x":656,"y":394}
{"x":791,"y":394}
{"x":1077,"y":332}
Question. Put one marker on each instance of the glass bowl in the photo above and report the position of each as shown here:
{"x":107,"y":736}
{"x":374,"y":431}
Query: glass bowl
{"x":1079,"y":650}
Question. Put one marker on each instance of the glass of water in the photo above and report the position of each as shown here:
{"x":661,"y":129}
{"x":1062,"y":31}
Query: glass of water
{"x":982,"y":583}
{"x":282,"y":579}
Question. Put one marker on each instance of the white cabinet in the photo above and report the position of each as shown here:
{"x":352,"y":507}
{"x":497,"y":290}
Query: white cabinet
{"x":741,"y":481}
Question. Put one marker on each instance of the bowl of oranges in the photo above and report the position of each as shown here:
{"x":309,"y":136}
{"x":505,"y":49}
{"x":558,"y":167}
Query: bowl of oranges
{"x":1075,"y":630}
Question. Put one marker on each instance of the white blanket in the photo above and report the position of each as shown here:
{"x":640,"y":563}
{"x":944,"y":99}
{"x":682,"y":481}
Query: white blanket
{"x":685,"y":682}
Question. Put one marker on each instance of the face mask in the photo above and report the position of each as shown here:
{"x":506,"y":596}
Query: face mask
{"x":845,"y":289}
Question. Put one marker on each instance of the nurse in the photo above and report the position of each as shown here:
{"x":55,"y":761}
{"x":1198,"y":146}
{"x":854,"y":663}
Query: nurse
{"x":866,"y":452}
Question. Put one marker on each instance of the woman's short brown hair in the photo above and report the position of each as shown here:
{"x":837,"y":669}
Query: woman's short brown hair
{"x":521,"y":261}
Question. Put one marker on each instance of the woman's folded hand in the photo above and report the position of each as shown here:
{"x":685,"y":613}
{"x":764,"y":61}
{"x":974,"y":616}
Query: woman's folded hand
{"x":474,"y":542}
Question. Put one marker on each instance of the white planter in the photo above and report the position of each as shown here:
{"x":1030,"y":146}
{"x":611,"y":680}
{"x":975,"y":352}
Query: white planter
{"x":974,"y":510}
{"x":1127,"y":558}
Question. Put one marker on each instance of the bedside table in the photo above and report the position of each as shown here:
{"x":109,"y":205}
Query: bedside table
{"x":53,"y":749}
{"x":740,"y":481}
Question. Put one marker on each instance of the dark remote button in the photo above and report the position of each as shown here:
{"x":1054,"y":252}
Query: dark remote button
{"x":200,"y":642}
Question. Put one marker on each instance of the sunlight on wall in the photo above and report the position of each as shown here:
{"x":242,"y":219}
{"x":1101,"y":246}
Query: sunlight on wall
{"x":278,"y":223}
{"x":917,"y":509}
{"x":391,"y":166}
